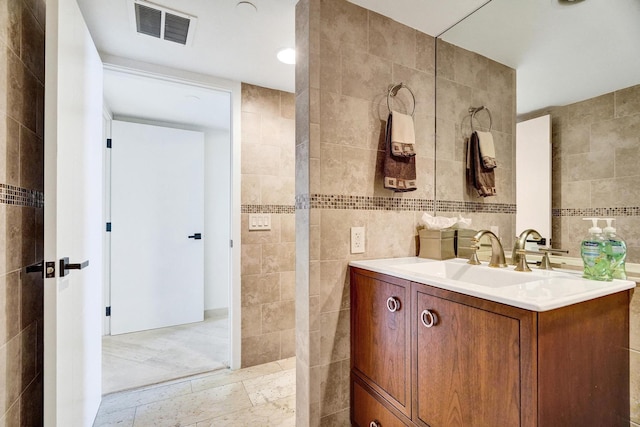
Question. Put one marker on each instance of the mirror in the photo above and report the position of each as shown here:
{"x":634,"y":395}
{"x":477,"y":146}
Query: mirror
{"x":578,"y":62}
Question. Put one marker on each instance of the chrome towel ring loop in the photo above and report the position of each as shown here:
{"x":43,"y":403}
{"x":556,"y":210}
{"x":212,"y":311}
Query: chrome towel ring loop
{"x":474,"y":110}
{"x":393,"y":91}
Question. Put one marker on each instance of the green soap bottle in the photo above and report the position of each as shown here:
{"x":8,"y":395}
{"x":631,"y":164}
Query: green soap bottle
{"x":593,"y":249}
{"x":616,"y":251}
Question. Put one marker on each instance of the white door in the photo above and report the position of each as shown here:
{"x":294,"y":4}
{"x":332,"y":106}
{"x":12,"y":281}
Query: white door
{"x":157,"y":216}
{"x":73,"y":219}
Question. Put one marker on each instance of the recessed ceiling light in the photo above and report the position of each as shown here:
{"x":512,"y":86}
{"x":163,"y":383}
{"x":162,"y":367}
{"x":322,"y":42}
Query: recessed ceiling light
{"x":287,"y":55}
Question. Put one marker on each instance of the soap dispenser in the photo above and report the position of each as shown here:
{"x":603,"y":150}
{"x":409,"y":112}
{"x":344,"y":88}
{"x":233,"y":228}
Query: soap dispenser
{"x":616,"y":250}
{"x":593,"y":250}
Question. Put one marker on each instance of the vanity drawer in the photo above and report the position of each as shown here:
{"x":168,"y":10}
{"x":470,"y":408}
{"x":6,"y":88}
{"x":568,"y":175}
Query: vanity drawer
{"x":369,"y":412}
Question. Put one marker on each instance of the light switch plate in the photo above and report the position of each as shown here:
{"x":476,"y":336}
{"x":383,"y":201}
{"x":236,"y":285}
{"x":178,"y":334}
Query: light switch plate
{"x":357,"y":240}
{"x":259,"y":222}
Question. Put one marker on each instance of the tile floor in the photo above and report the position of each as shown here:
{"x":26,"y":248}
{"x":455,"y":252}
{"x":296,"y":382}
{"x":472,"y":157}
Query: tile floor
{"x":149,"y":357}
{"x":262,"y":395}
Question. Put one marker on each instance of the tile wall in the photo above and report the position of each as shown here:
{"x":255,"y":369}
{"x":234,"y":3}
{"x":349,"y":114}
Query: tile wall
{"x":268,"y":257}
{"x":596,"y":150}
{"x":21,"y":210}
{"x":347,"y":58}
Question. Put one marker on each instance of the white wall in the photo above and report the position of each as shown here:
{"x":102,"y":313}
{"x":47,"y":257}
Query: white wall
{"x":217,"y":213}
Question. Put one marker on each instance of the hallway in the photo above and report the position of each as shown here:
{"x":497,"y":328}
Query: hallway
{"x":262,"y":395}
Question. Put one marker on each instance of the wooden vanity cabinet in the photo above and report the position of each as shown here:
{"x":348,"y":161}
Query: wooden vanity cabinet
{"x":474,"y":362}
{"x":380,"y":319}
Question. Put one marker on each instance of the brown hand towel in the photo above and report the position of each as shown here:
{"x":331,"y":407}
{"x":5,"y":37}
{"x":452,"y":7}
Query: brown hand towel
{"x":481,"y":178}
{"x":399,"y":172}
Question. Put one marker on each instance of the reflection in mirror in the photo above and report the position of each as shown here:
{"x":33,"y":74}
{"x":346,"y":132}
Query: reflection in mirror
{"x":578,"y":62}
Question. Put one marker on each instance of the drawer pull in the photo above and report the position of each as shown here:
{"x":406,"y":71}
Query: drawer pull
{"x":393,"y":304}
{"x":428,"y":318}
{"x":374,"y":423}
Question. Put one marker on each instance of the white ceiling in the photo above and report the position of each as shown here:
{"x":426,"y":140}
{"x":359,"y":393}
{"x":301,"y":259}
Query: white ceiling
{"x":233,"y":44}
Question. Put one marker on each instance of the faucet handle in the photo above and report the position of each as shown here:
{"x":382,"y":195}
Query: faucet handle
{"x":522,"y":261}
{"x":545,"y":263}
{"x":473,"y":259}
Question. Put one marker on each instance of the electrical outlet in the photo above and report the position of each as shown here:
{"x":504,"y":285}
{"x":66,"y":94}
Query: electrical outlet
{"x":357,"y":240}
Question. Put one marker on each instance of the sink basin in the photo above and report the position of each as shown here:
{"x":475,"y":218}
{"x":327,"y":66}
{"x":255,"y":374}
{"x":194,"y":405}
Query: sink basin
{"x":473,"y":274}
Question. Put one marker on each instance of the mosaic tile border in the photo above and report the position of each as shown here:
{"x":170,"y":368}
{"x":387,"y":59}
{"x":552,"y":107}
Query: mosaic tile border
{"x":17,"y":196}
{"x":335,"y":201}
{"x":274,"y":209}
{"x":474,"y":207}
{"x":597,"y":212}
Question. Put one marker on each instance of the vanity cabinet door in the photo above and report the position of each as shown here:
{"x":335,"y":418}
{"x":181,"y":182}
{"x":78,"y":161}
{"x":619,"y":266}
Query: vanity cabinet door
{"x":380,"y":335}
{"x":467,"y":364}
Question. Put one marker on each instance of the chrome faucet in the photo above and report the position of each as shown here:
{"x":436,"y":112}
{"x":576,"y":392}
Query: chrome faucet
{"x":497,"y":253}
{"x":521,"y":242}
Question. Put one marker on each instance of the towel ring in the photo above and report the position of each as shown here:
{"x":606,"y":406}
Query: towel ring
{"x":474,"y":110}
{"x":393,"y":91}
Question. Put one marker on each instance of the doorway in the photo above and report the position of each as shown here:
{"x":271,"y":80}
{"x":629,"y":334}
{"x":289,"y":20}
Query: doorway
{"x":159,"y":354}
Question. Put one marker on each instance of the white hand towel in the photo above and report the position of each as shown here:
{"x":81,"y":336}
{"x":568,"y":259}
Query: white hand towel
{"x":403,"y":136}
{"x":487,"y":149}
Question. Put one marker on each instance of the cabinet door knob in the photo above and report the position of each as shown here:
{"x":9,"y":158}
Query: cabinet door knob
{"x":374,"y":423}
{"x":393,"y":304}
{"x":428,"y":318}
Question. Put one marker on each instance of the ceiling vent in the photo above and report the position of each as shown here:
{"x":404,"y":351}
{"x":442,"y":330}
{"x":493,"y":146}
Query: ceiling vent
{"x":163,"y":23}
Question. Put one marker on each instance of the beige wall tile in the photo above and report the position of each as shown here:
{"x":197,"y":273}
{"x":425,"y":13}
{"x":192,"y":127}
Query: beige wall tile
{"x":256,"y":99}
{"x":343,"y":23}
{"x":260,"y":159}
{"x":278,"y":257}
{"x":350,"y":119}
{"x":287,"y":228}
{"x":251,"y":259}
{"x":392,"y":40}
{"x":251,"y":189}
{"x":334,"y":336}
{"x":616,"y":133}
{"x":627,"y":101}
{"x":251,"y":322}
{"x":260,"y":349}
{"x":10,"y":322}
{"x":425,"y":52}
{"x":277,"y":190}
{"x":334,"y":388}
{"x":278,"y":316}
{"x":287,"y":343}
{"x":627,"y":161}
{"x":334,"y":286}
{"x":260,"y":289}
{"x":365,"y":76}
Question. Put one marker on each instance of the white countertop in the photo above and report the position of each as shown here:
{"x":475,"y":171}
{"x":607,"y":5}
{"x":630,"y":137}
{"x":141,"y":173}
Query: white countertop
{"x":539,"y":290}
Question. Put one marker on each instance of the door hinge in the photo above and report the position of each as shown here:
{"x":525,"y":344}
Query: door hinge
{"x":108,"y":311}
{"x":109,"y":227}
{"x":108,"y":142}
{"x":231,"y":243}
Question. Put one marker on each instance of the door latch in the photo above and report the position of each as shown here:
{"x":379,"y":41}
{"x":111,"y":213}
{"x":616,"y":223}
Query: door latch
{"x":196,"y":236}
